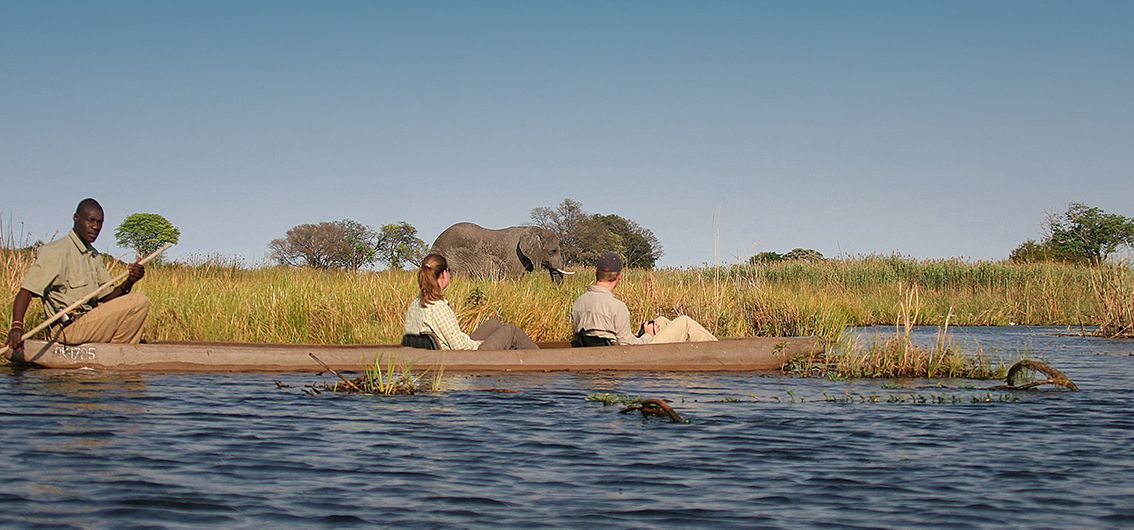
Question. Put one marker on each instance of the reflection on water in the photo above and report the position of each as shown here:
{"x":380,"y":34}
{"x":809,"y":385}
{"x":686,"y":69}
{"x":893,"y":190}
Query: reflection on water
{"x":105,"y":449}
{"x":85,"y":408}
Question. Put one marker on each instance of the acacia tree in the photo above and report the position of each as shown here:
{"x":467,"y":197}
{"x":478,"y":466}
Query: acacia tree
{"x":145,"y":233}
{"x":1030,"y":251}
{"x":360,"y":249}
{"x":765,"y":257}
{"x":592,"y":239}
{"x":583,"y":237}
{"x":803,"y":254}
{"x":399,"y":245}
{"x":640,"y":246}
{"x":568,"y":221}
{"x":1086,"y":233}
{"x":1082,"y":234}
{"x":795,"y":254}
{"x":345,"y":244}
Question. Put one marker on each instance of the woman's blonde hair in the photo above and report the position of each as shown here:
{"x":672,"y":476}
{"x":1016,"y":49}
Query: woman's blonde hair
{"x":427,"y":278}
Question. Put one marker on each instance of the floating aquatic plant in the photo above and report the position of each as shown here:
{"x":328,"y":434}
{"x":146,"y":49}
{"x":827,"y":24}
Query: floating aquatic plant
{"x":608,"y":399}
{"x":392,"y":379}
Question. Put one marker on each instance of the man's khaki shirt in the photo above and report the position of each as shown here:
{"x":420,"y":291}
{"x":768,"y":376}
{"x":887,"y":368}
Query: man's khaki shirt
{"x":598,"y":313}
{"x":65,"y":271}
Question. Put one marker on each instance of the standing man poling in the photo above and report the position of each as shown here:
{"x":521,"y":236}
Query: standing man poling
{"x":70,"y":268}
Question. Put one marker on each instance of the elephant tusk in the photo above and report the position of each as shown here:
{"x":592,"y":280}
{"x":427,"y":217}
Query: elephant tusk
{"x":561,"y":271}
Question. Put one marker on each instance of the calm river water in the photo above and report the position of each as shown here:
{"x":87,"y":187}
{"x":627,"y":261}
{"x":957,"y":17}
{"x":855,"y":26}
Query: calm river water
{"x":88,"y":449}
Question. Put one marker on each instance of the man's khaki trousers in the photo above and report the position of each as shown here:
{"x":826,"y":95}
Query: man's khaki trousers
{"x":119,"y":321}
{"x":680,"y":329}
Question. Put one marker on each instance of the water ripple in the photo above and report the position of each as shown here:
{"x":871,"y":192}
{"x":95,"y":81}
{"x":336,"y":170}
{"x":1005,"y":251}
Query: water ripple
{"x":232,"y":450}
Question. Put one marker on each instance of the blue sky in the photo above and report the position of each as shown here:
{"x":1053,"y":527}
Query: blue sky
{"x":930,"y":129}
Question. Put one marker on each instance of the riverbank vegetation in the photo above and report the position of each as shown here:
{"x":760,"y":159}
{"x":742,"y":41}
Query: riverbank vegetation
{"x":222,"y":301}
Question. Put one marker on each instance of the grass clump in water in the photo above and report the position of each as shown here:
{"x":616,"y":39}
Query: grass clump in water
{"x":899,"y":355}
{"x":393,"y":379}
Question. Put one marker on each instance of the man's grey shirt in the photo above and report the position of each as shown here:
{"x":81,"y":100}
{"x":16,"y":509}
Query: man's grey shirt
{"x":599,"y":314}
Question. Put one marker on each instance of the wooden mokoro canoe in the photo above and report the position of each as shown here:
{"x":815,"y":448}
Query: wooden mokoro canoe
{"x":746,"y":354}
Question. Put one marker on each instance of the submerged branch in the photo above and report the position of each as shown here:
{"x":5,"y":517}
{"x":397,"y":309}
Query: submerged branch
{"x":1022,"y":369}
{"x":655,"y":407}
{"x":332,"y":370}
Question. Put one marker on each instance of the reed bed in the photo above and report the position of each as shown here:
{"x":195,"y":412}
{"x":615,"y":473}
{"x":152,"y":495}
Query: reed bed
{"x":1114,"y":294}
{"x":898,"y":355}
{"x":15,"y":259}
{"x":223,"y":301}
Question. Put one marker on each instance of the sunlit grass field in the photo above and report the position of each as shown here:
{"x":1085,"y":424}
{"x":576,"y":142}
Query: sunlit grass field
{"x":216,"y":301}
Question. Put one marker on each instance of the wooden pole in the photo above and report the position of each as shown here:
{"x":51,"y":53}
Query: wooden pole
{"x":97,"y":292}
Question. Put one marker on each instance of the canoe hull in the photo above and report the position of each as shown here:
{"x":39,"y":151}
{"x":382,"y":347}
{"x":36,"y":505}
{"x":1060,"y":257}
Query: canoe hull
{"x":748,"y":354}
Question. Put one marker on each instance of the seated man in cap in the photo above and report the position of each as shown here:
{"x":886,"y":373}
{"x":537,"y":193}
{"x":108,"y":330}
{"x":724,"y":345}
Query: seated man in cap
{"x":67,"y":270}
{"x":601,"y":319}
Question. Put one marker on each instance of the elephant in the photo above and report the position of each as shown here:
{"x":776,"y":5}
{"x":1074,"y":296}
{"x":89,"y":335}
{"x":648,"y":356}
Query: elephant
{"x":505,"y":253}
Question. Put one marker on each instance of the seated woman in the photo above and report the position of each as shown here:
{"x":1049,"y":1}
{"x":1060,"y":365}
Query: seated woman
{"x":430,"y":313}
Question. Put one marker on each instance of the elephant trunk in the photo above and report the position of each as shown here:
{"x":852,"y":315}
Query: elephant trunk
{"x":556,"y":275}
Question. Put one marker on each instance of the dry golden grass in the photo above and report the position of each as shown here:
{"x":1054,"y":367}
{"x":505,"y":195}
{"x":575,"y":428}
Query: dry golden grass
{"x":898,"y":355}
{"x":219,"y":301}
{"x":1114,"y":294}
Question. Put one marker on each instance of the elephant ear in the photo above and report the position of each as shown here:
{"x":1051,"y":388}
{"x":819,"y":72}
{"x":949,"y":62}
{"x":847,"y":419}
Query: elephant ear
{"x":529,"y":250}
